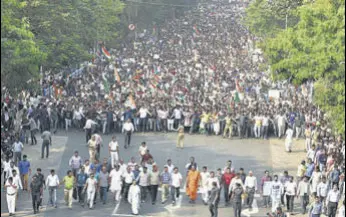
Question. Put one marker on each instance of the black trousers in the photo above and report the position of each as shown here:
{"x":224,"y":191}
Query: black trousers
{"x":126,"y":189}
{"x":290,"y":203}
{"x":153,"y":191}
{"x":45,"y":145}
{"x":33,"y":137}
{"x":128,"y":138}
{"x":225,"y":192}
{"x":144,"y":191}
{"x":88,"y":135}
{"x":35,"y":200}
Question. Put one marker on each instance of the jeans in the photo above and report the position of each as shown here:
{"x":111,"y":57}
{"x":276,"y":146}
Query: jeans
{"x":126,"y":190}
{"x":153,"y":191}
{"x":332,"y":208}
{"x":213,"y":209}
{"x":45,"y":145}
{"x":251,"y":196}
{"x":143,"y":124}
{"x":265,"y":132}
{"x":266,"y":201}
{"x":144,"y":191}
{"x":35,"y":200}
{"x":68,"y":123}
{"x":175,"y":193}
{"x":80,"y":194}
{"x":257,"y":130}
{"x":52,"y":195}
{"x":88,"y":135}
{"x":237,"y":209}
{"x":103,"y":194}
{"x":17,"y":157}
{"x":304,"y":201}
{"x":226,"y":193}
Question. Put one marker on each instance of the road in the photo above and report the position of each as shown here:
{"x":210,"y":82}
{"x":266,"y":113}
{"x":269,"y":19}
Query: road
{"x":255,"y":155}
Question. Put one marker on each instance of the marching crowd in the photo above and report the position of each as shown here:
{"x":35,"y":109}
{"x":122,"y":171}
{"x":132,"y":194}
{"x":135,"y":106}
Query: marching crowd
{"x":198,"y":74}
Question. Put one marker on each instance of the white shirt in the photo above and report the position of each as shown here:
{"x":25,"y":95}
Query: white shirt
{"x":143,"y":112}
{"x":132,"y":165}
{"x":123,"y":168}
{"x":233,"y":184}
{"x":162,"y":114}
{"x":204,"y":179}
{"x":322,"y":189}
{"x":116,"y":177}
{"x":251,"y":182}
{"x":311,"y":154}
{"x":170,"y":168}
{"x":129,"y":177}
{"x":265,"y":121}
{"x":341,"y":211}
{"x":9,"y":171}
{"x":333,"y":196}
{"x":91,"y":184}
{"x":10,"y":189}
{"x":143,"y":150}
{"x":18,"y":182}
{"x":281,"y":120}
{"x":176,"y":179}
{"x":128,"y":126}
{"x":113,"y":146}
{"x":89,"y":123}
{"x":52,"y":181}
{"x":210,"y":183}
{"x":291,"y":188}
{"x":276,"y":189}
{"x":7,"y":165}
{"x":144,"y":179}
{"x":177,"y":113}
{"x":18,"y":147}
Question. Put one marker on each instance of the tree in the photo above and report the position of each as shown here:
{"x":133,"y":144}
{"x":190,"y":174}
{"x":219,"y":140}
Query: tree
{"x":265,"y":18}
{"x":314,"y":48}
{"x":20,"y":55}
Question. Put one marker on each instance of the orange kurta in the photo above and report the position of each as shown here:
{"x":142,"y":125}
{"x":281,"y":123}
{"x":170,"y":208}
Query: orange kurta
{"x":193,"y":179}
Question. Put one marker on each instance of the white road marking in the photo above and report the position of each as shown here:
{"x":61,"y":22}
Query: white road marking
{"x":116,"y":208}
{"x":128,"y":215}
{"x":254,"y":210}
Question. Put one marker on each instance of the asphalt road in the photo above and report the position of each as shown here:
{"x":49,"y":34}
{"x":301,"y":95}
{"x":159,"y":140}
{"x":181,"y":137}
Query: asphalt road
{"x":212,"y":152}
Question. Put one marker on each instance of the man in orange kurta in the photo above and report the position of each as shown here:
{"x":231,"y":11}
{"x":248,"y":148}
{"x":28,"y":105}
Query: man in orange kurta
{"x":192,"y":183}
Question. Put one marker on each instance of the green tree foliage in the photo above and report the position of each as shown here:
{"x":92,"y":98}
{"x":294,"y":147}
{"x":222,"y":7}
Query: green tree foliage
{"x":314,"y":48}
{"x":56,"y":35}
{"x":266,"y":17}
{"x":20,"y":55}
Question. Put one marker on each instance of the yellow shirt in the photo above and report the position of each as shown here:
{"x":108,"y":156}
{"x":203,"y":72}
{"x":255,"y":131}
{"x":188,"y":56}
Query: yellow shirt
{"x":69,"y":181}
{"x":92,"y":144}
{"x":301,"y":170}
{"x":205,"y":118}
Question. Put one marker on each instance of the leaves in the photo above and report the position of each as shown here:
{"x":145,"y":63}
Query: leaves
{"x":313,"y":48}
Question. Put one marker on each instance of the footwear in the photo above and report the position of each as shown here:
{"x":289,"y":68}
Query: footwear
{"x":173,"y":203}
{"x":10,"y":214}
{"x":35,"y":212}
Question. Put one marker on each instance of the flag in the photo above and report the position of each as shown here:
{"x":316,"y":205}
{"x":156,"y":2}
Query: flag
{"x":105,"y":52}
{"x":238,"y":87}
{"x":236,"y":97}
{"x":154,"y":30}
{"x":196,"y":29}
{"x":130,"y":102}
{"x":116,"y":75}
{"x":106,"y":85}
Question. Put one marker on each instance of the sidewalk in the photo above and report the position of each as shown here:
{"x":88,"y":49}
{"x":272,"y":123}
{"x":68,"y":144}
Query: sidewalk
{"x":24,"y":202}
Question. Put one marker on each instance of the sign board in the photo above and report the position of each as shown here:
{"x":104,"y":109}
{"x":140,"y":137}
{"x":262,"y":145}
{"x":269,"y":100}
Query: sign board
{"x":132,"y":27}
{"x":275,"y":94}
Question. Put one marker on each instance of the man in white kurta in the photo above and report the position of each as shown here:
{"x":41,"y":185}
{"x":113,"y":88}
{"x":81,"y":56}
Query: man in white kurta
{"x":289,"y":140}
{"x":134,"y":197}
{"x":276,"y":190}
{"x":90,"y":188}
{"x":114,"y":151}
{"x":116,"y":182}
{"x":204,"y":185}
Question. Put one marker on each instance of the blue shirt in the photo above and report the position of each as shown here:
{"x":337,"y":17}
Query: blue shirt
{"x":81,"y":179}
{"x":24,"y":167}
{"x":310,"y":170}
{"x":166,"y":178}
{"x":127,"y":115}
{"x":335,"y":176}
{"x":97,"y":166}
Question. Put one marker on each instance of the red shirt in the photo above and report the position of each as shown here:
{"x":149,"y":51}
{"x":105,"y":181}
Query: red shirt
{"x":227,"y":178}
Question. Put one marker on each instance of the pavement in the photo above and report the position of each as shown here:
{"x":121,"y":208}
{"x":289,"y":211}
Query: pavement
{"x":251,"y":154}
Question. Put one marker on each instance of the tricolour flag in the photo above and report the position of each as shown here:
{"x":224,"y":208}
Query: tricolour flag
{"x":105,"y":52}
{"x":196,"y":29}
{"x":130,"y":102}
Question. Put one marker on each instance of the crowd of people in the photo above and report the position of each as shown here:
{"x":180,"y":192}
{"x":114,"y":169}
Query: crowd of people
{"x":198,"y":74}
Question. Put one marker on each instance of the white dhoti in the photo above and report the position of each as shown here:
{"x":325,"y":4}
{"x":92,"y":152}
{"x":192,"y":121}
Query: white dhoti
{"x":275,"y":202}
{"x":288,"y":144}
{"x":115,"y":188}
{"x":217,"y":128}
{"x":205,"y":194}
{"x":308,"y":144}
{"x":134,"y":198}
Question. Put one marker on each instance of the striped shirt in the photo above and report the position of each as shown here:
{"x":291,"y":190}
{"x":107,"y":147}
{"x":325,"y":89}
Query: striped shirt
{"x":165,"y":178}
